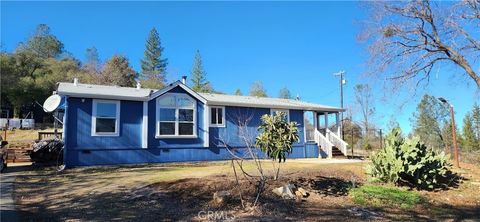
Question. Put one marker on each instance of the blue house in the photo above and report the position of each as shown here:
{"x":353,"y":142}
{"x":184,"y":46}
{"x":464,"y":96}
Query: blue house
{"x":106,"y":125}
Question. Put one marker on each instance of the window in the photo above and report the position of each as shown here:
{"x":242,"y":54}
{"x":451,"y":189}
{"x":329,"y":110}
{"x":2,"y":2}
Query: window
{"x":176,"y":116}
{"x":217,"y":116}
{"x":273,"y":111}
{"x":105,"y":117}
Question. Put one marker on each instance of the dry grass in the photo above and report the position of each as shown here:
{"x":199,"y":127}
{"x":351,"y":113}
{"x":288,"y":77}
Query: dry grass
{"x":179,"y":191}
{"x":20,"y":135}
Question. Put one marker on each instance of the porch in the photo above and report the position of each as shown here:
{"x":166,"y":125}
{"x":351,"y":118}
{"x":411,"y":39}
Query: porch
{"x":326,"y":132}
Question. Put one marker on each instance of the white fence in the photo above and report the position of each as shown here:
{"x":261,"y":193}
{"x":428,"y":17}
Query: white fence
{"x":17,"y":123}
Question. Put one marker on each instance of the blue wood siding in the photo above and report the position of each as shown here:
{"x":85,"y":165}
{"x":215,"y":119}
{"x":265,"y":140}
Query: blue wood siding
{"x":80,"y":126}
{"x":233,"y":115}
{"x":175,"y":142}
{"x":231,"y":133}
{"x":164,"y":155}
{"x":82,"y":149}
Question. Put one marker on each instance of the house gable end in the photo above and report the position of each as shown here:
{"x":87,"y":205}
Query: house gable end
{"x":178,"y":87}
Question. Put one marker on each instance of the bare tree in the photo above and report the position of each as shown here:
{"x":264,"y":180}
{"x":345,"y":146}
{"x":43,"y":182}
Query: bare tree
{"x":364,"y":101}
{"x":408,"y":39}
{"x":246,"y":137}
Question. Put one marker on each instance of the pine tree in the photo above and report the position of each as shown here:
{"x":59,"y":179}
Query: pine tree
{"x":42,"y":44}
{"x":154,"y":68}
{"x":284,"y":93}
{"x":427,"y":121}
{"x":257,"y":89}
{"x":92,"y":61}
{"x":469,"y":137}
{"x":238,"y":92}
{"x":447,"y":135}
{"x":476,"y":123}
{"x":199,"y":80}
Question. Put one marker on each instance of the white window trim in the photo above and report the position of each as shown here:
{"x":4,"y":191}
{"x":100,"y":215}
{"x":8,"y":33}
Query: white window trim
{"x":94,"y":117}
{"x":272,"y":112}
{"x":157,"y":119}
{"x":223,"y":116}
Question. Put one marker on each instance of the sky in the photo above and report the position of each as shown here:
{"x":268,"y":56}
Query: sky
{"x":298,"y":45}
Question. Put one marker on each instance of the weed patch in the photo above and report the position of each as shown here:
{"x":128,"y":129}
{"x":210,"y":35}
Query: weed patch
{"x":379,"y":196}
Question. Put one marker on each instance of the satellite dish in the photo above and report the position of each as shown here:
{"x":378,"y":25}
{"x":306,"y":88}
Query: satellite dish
{"x":52,"y":103}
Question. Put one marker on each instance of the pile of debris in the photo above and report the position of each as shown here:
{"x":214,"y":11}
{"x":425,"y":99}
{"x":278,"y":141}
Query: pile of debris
{"x":289,"y":191}
{"x":47,"y":151}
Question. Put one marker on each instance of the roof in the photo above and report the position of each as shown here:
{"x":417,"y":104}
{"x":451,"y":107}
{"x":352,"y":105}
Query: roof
{"x":142,"y":94}
{"x":103,"y":92}
{"x":265,"y":102}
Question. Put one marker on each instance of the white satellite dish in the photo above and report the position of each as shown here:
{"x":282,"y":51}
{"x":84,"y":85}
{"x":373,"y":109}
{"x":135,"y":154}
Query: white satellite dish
{"x":52,"y":103}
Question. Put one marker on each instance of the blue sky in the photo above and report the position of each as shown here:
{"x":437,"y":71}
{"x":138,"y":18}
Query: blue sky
{"x":295,"y":44}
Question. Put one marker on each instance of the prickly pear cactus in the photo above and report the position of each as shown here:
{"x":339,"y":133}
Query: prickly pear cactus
{"x":408,"y":161}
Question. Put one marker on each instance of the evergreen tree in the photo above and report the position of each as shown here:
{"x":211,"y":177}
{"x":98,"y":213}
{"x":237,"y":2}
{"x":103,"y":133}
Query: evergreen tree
{"x":199,"y":80}
{"x":284,"y":93}
{"x":42,"y":44}
{"x":154,"y":68}
{"x":238,"y":92}
{"x":117,"y":71}
{"x":469,"y":137}
{"x":476,"y":122}
{"x":92,"y":61}
{"x":427,"y":121}
{"x":257,"y":89}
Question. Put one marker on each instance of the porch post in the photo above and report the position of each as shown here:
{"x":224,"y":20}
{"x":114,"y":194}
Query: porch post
{"x":337,"y":118}
{"x":315,"y":120}
{"x":326,"y":122}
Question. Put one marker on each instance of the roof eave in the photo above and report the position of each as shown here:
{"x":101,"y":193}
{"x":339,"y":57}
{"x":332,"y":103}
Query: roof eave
{"x":99,"y":96}
{"x":316,"y":109}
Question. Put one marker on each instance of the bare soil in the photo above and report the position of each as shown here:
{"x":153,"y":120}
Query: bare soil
{"x":184,"y":192}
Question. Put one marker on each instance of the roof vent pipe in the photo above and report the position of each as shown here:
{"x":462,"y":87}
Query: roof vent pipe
{"x":139,"y":85}
{"x":298,"y":97}
{"x":75,"y":81}
{"x":184,"y":80}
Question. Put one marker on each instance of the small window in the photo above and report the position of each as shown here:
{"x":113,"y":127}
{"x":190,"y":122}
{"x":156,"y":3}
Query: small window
{"x":217,"y":116}
{"x":105,"y":117}
{"x":287,"y":115}
{"x":176,"y":116}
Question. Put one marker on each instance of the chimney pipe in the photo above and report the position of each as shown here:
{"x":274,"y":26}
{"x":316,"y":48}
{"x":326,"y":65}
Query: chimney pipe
{"x":75,"y":81}
{"x":184,"y":80}
{"x":139,"y":86}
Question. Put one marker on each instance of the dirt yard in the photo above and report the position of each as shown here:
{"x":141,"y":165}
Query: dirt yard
{"x":184,"y":192}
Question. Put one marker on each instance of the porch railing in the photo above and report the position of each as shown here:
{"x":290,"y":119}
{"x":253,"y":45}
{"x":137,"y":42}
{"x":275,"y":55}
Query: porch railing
{"x":324,"y":143}
{"x":337,"y":141}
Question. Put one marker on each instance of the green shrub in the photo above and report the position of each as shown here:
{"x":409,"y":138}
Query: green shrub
{"x":380,"y":196}
{"x":408,"y":161}
{"x":276,"y":136}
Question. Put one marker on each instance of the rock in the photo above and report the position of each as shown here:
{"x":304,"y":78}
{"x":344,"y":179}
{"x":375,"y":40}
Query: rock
{"x":285,"y":191}
{"x":219,"y":197}
{"x":303,"y":192}
{"x":298,"y":196}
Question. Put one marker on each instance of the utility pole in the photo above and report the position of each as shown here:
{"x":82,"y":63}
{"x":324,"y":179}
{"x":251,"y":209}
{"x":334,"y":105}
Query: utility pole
{"x":342,"y":82}
{"x":454,"y":131}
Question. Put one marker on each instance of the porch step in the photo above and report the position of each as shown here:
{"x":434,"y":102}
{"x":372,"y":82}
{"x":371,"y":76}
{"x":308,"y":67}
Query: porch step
{"x":336,"y":153}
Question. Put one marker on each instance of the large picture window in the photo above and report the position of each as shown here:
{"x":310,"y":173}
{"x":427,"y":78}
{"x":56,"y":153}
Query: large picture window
{"x":217,"y":116}
{"x":105,"y":117}
{"x":176,"y":116}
